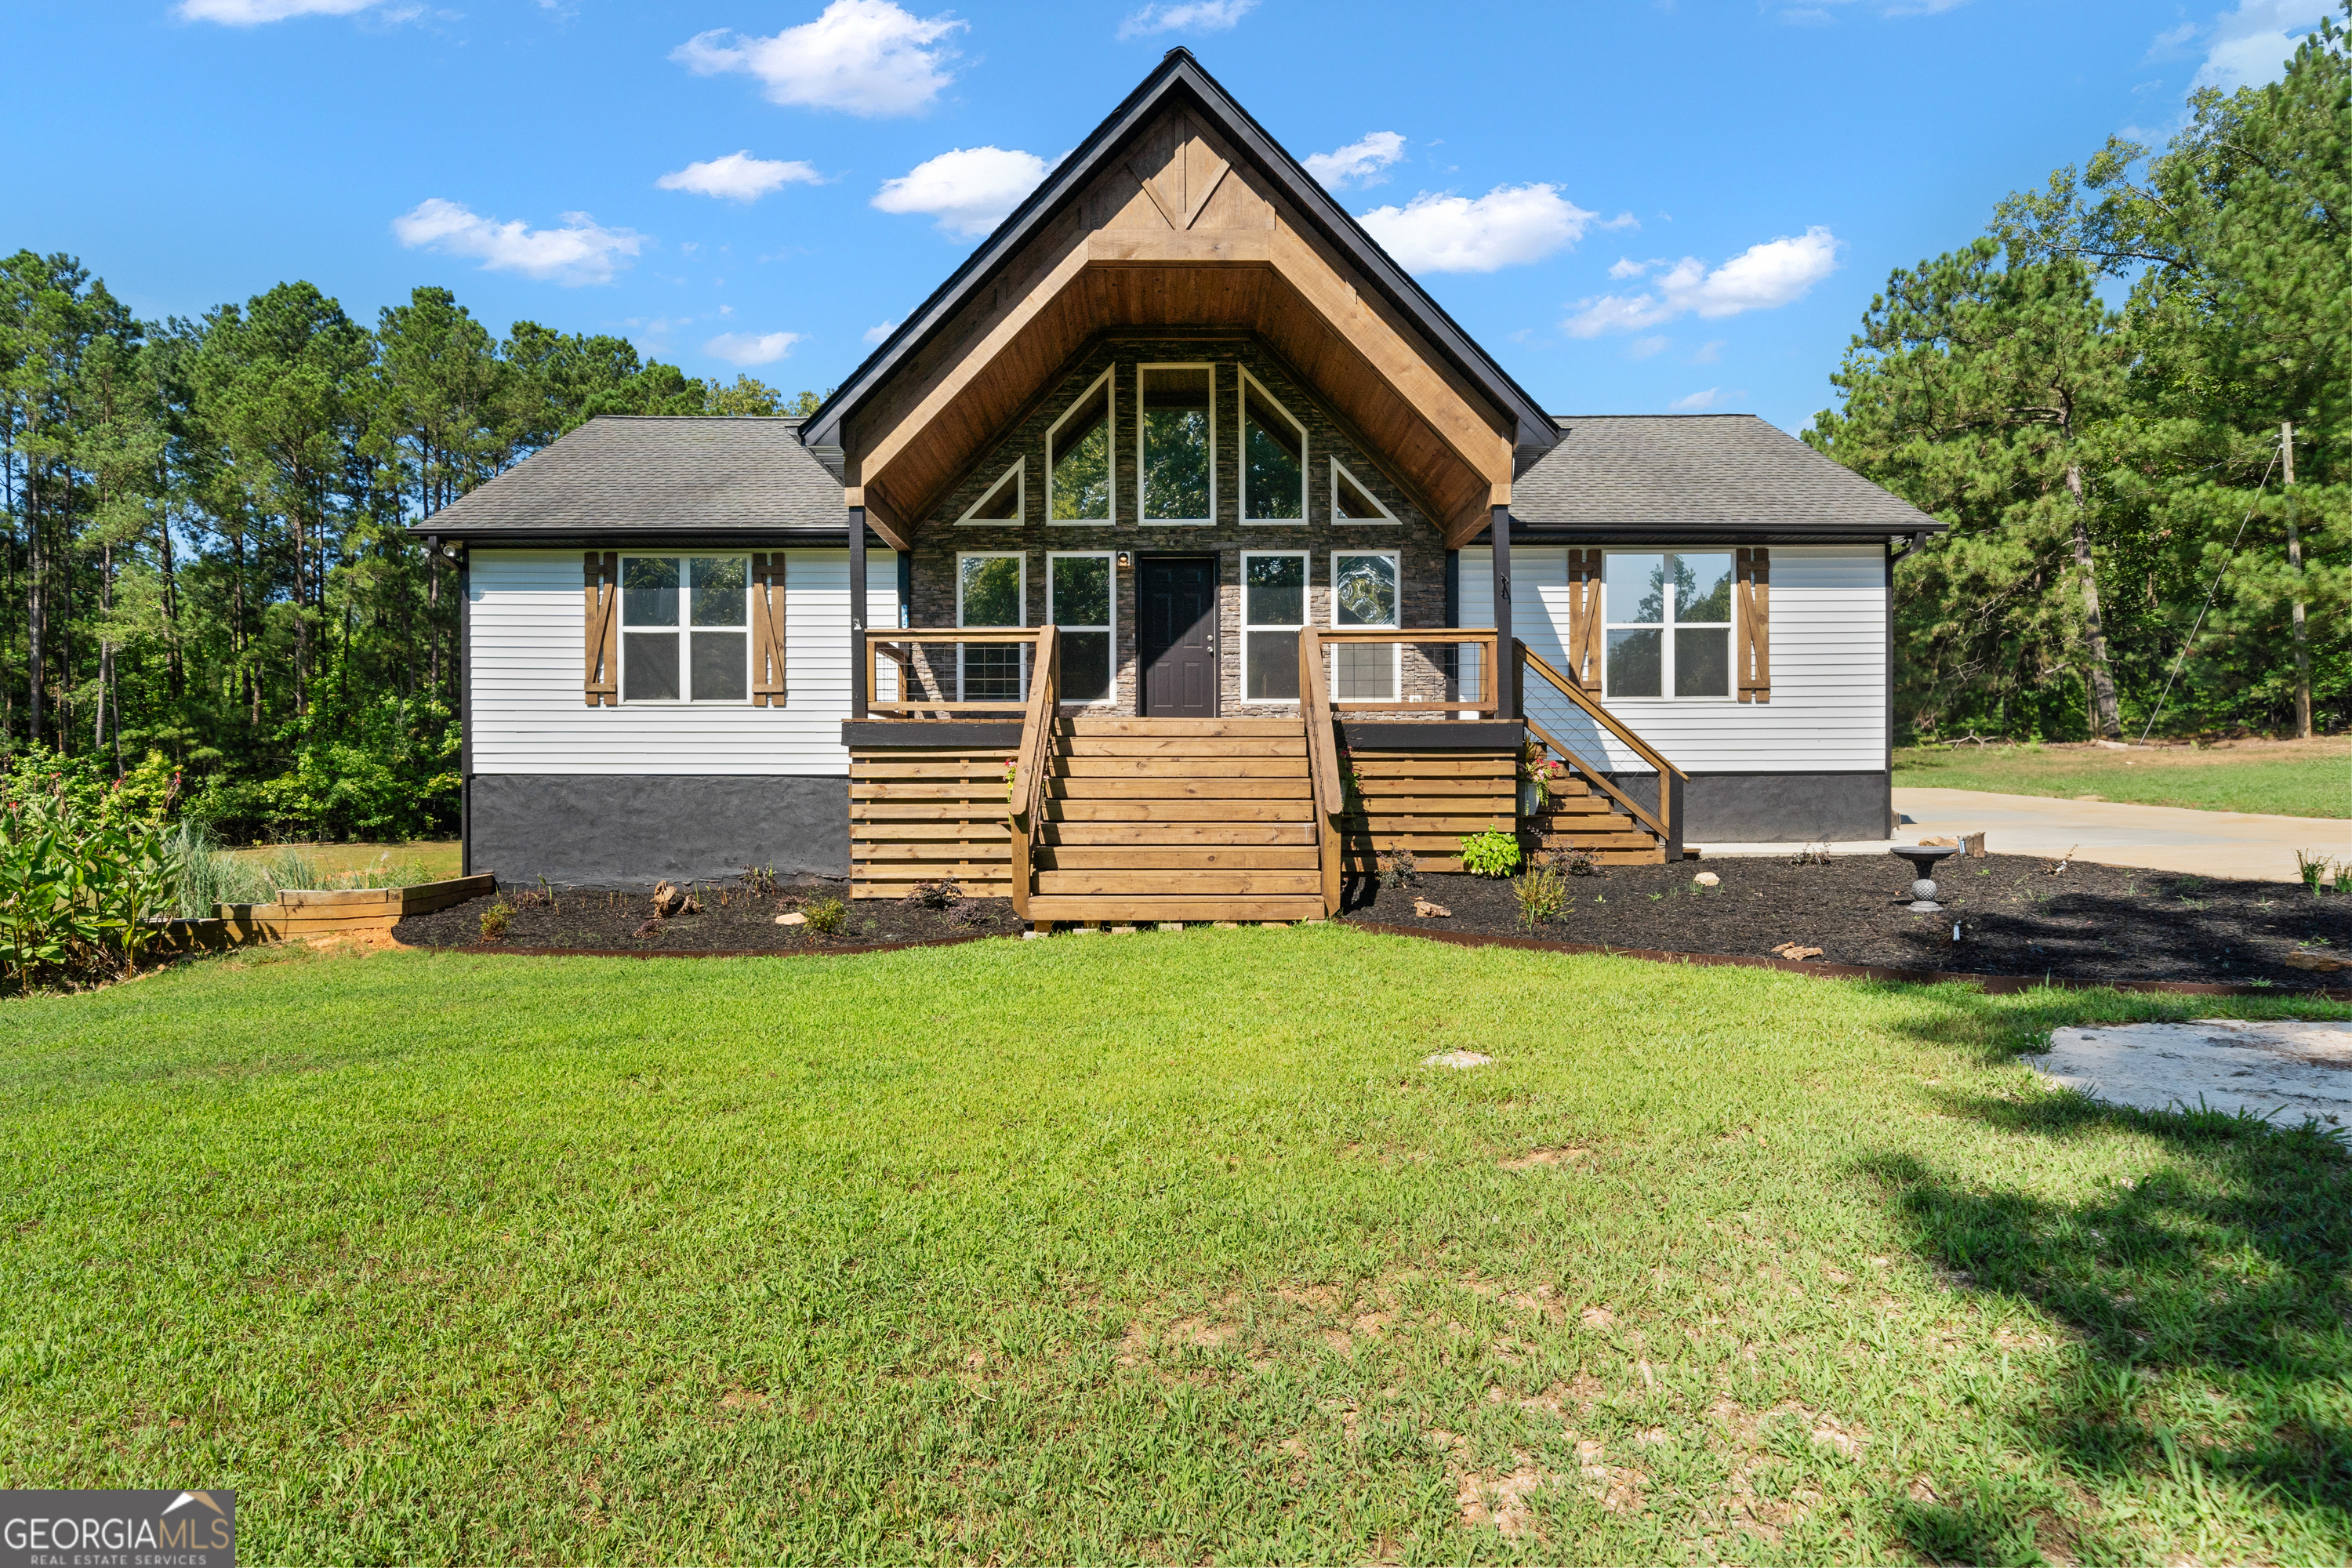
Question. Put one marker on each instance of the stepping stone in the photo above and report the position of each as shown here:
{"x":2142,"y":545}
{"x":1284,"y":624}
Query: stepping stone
{"x":2285,"y":1070}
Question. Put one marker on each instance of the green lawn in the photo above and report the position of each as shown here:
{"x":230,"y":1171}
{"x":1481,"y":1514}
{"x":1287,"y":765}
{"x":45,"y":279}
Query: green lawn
{"x":1160,"y":1248}
{"x":437,"y":858}
{"x":2311,"y":778}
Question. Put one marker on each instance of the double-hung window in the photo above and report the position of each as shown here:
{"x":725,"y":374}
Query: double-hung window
{"x":1081,"y":600}
{"x":1274,"y":609}
{"x":1079,"y":485}
{"x":1273,"y":459}
{"x":1364,"y":593}
{"x":686,"y":635}
{"x":1669,"y":623}
{"x":992,"y":590}
{"x":1176,"y":443}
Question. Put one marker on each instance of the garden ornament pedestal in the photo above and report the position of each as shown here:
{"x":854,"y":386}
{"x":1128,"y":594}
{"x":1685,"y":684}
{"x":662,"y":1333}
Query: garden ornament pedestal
{"x":1923,"y":858}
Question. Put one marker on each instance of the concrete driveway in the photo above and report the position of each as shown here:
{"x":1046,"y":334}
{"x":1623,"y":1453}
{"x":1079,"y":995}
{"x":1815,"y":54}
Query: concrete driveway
{"x":2163,"y":837}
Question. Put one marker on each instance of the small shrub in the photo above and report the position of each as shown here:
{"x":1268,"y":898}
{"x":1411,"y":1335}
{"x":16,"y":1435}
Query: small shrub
{"x":760,"y":882}
{"x":1400,"y":869}
{"x":1493,"y":853}
{"x":494,"y":921}
{"x":1578,"y":863}
{"x":826,"y":916}
{"x":1543,"y":894}
{"x":2311,"y":868}
{"x":1811,"y":854}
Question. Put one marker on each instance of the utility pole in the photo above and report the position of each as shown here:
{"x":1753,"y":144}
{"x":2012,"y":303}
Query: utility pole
{"x":2295,"y":560}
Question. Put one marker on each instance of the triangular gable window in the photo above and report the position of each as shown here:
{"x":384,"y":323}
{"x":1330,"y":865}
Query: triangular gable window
{"x":1351,"y":502}
{"x":1004,"y":501}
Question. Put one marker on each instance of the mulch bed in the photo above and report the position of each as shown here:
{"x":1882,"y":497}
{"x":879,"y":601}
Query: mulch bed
{"x":733,"y":919}
{"x":2086,"y":922}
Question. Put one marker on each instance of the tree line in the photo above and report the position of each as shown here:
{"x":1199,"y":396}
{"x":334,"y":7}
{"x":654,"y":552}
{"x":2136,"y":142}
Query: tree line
{"x":209,"y":578}
{"x":2106,"y":395}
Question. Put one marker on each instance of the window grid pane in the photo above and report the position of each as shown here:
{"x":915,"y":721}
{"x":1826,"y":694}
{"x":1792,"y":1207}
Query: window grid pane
{"x":649,"y":590}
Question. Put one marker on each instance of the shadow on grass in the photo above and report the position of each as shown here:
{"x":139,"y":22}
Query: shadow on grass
{"x":2211,"y":1369}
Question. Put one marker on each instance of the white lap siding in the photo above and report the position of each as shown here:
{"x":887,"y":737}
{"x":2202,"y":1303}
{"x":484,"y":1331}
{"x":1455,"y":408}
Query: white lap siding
{"x":1828,"y":713}
{"x":529,"y":716}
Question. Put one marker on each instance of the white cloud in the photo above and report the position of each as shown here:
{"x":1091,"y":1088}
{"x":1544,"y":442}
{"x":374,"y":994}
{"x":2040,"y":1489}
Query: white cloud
{"x":1626,"y":267}
{"x":1507,"y":227}
{"x":1761,"y":277}
{"x":739,"y":177}
{"x":864,"y":56}
{"x":579,"y":252}
{"x":1697,"y":401}
{"x":1642,"y":348}
{"x":751,"y":348}
{"x":881,"y":330}
{"x":2252,"y":44}
{"x":1363,"y":161}
{"x":1709,"y":352}
{"x":253,"y":12}
{"x":968,"y":189}
{"x":1186,"y":16}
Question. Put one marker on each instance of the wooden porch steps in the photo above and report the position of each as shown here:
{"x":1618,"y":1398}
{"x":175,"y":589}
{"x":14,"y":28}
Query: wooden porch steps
{"x":1176,"y":819}
{"x":1579,"y":817}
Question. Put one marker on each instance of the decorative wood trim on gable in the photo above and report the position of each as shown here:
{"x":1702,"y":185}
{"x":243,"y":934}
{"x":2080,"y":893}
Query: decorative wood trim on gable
{"x":767,"y":629}
{"x":1751,"y":636}
{"x":602,"y":595}
{"x":1584,"y":618}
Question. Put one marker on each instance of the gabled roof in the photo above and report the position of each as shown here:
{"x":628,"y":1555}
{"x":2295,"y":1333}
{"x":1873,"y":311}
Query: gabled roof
{"x":623,"y":475}
{"x":1694,"y":474}
{"x":1180,"y":80}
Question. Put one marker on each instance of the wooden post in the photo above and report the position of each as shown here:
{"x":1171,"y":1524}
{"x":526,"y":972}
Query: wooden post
{"x":858,"y":692}
{"x":2295,"y":561}
{"x":1504,"y":644}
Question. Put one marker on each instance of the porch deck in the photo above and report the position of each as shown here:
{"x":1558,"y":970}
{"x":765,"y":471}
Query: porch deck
{"x":1085,"y":819}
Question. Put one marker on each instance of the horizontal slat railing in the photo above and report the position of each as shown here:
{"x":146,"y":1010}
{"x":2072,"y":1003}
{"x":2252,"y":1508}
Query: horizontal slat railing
{"x":898,"y":644}
{"x":1489,"y":698}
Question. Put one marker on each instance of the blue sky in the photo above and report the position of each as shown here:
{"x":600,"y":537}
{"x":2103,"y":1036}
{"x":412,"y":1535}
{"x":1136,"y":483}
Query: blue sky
{"x":1636,"y":206}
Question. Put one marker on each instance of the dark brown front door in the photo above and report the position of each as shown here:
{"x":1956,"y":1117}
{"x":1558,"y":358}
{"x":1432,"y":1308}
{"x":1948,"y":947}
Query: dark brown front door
{"x":1178,"y":597}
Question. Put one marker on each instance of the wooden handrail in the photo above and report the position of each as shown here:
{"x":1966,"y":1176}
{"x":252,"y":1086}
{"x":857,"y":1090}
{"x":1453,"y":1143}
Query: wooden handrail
{"x":1026,"y":792}
{"x":879,"y":641}
{"x":1592,"y":776}
{"x":1605,"y":718}
{"x":1322,"y":762}
{"x":1481,"y":637}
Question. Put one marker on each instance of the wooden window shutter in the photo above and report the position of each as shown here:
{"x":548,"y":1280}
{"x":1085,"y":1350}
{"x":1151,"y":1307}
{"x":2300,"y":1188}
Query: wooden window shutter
{"x":768,"y":630}
{"x":1751,"y":631}
{"x":603,"y":595}
{"x":1584,"y":618}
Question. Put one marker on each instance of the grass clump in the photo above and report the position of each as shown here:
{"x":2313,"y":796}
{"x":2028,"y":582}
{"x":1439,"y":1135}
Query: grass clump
{"x":2296,"y":778}
{"x":1542,"y":893}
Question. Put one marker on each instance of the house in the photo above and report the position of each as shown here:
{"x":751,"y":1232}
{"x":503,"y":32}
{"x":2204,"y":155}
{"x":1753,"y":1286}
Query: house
{"x":1177,"y":559}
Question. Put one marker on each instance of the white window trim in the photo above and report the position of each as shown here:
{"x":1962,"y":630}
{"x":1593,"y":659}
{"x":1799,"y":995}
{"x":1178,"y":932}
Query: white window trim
{"x":1108,"y":381}
{"x":964,"y":556}
{"x":1338,"y":471}
{"x":1307,"y":608}
{"x":1396,"y":650}
{"x":684,"y":631}
{"x":1665,"y":628}
{"x":1019,"y":474}
{"x":1241,"y":477}
{"x":1142,"y":411}
{"x":1110,"y":691}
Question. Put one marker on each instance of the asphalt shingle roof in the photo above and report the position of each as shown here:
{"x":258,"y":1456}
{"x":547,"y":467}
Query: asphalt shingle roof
{"x":680,"y":474}
{"x":1699,"y":470}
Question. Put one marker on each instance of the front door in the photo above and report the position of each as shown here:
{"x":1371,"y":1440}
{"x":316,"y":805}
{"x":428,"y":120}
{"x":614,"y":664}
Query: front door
{"x":1178,"y":597}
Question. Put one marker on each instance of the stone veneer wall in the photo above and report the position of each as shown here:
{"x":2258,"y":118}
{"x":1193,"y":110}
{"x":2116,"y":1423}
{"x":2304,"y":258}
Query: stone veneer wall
{"x":1421,"y":551}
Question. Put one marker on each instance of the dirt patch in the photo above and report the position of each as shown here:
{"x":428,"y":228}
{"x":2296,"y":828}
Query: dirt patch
{"x":727,"y":917}
{"x":2086,"y":922}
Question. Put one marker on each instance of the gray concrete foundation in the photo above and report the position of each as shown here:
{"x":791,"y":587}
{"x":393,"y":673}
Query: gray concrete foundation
{"x":630,"y":831}
{"x":1773,"y":808}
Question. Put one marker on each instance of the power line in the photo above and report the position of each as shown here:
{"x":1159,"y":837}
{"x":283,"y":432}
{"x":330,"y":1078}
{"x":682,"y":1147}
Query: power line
{"x":2232,"y":561}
